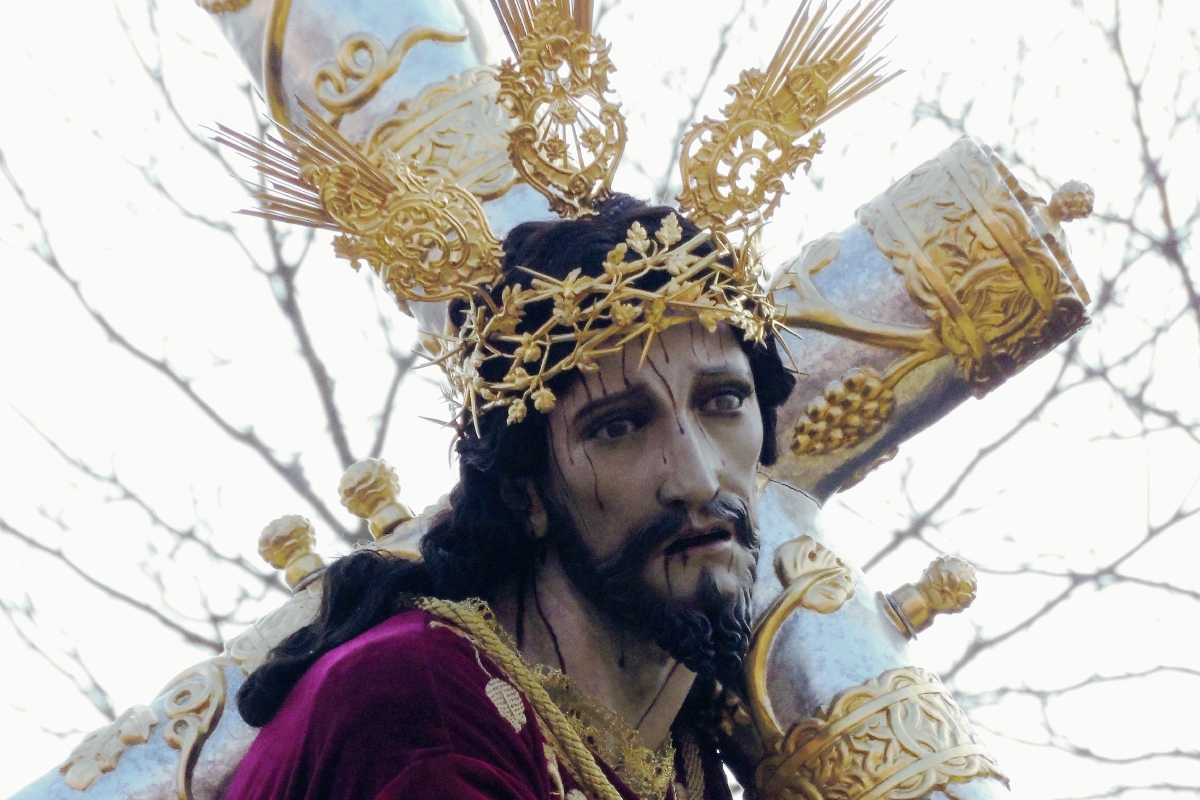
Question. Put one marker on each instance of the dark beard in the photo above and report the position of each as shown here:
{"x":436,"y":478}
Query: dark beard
{"x":711,"y":639}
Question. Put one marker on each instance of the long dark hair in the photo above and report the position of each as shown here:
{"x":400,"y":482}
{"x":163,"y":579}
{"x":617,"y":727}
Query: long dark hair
{"x":484,"y":539}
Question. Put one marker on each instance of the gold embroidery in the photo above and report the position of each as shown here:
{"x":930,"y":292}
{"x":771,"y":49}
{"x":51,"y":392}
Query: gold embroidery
{"x":100,"y":750}
{"x":507,"y":701}
{"x":567,"y":719}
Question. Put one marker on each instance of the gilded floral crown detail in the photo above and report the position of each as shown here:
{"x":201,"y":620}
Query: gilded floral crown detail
{"x":602,"y":314}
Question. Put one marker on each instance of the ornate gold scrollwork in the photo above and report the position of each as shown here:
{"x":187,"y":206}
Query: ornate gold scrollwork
{"x":347,"y":83}
{"x":195,"y":700}
{"x":100,"y":750}
{"x":287,"y":544}
{"x":899,"y":736}
{"x":568,"y":138}
{"x":454,"y":128}
{"x":973,"y":262}
{"x":814,"y":578}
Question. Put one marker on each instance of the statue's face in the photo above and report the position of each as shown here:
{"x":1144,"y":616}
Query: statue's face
{"x":682,"y":433}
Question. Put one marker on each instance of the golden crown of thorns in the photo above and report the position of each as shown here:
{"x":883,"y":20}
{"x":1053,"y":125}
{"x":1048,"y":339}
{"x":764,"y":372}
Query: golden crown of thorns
{"x":429,"y":240}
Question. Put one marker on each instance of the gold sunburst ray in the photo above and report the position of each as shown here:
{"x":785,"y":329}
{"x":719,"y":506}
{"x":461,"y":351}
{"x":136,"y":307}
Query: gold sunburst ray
{"x":814,"y":36}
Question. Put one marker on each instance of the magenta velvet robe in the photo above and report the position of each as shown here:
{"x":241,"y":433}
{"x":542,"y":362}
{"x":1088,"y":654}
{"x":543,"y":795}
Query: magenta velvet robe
{"x":402,"y":712}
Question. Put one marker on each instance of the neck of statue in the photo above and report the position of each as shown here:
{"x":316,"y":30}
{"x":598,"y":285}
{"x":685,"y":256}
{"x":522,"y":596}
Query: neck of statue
{"x":559,"y":628}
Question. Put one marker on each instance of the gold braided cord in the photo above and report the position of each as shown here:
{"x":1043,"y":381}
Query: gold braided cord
{"x":475,"y":618}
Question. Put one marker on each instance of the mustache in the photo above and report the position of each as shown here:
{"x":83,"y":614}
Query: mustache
{"x":661,"y":527}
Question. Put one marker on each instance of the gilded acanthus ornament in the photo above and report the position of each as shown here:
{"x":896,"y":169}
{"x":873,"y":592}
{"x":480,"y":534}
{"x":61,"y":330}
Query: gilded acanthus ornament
{"x":813,"y":578}
{"x":899,"y":736}
{"x":101,"y":750}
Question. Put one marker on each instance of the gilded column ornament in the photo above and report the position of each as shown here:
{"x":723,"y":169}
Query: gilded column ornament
{"x":947,"y":586}
{"x":348,"y":82}
{"x":100,"y":750}
{"x":370,"y":490}
{"x":194,"y":702}
{"x":287,"y":544}
{"x":899,"y":736}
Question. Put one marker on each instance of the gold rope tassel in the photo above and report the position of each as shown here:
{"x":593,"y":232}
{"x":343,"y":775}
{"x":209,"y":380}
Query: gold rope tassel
{"x":563,"y":736}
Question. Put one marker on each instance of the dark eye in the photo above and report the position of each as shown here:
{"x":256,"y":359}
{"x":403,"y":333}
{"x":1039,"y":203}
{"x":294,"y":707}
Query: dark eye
{"x":613,"y":429}
{"x":726,"y":401}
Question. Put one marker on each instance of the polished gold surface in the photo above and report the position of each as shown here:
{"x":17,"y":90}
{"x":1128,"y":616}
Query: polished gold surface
{"x":899,"y":736}
{"x":568,"y":137}
{"x":455,"y":129}
{"x":363,"y":64}
{"x":947,"y":586}
{"x":426,"y":238}
{"x":195,"y":700}
{"x":287,"y":544}
{"x":222,"y":6}
{"x":733,"y":168}
{"x":101,"y":750}
{"x":813,"y":577}
{"x":601,"y":315}
{"x":370,"y":490}
{"x":975,"y":265}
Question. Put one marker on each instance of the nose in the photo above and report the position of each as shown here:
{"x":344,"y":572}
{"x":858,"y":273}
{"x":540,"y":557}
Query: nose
{"x":691,"y":467}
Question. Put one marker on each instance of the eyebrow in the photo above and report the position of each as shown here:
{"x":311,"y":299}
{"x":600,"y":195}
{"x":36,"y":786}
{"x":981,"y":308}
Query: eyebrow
{"x":597,"y":407}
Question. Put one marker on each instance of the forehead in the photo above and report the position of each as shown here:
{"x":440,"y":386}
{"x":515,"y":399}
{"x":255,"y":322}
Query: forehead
{"x":676,"y":358}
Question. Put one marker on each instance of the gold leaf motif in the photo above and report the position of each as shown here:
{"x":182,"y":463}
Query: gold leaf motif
{"x":507,"y":701}
{"x":973,"y":262}
{"x":899,"y":736}
{"x":100,"y":750}
{"x":823,"y":580}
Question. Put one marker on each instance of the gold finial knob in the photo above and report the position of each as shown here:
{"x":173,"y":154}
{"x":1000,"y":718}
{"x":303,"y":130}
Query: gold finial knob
{"x":946,"y":587}
{"x":287,"y":544}
{"x":1074,"y":200}
{"x":370,"y":490}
